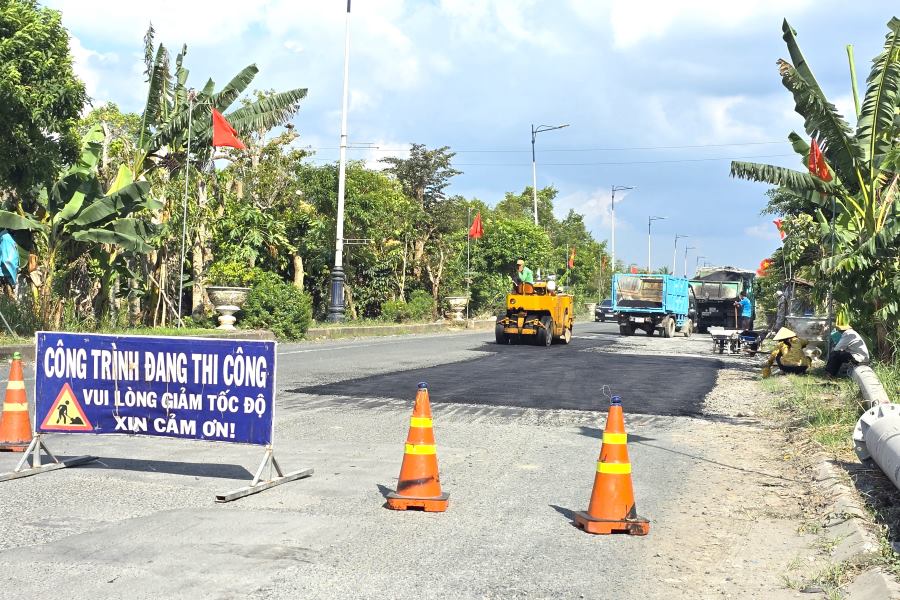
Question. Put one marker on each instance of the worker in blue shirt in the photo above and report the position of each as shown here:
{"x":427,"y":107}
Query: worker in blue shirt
{"x":745,"y":307}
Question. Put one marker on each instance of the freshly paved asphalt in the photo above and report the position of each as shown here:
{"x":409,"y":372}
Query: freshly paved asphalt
{"x":573,"y":376}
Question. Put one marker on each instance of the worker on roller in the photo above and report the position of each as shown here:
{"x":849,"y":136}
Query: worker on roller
{"x":850,"y":347}
{"x":523,"y":273}
{"x":788,"y":354}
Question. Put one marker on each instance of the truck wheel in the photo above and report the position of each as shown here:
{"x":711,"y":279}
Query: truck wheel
{"x":500,"y":335}
{"x":626,"y":329}
{"x":668,"y":329}
{"x":545,"y":335}
{"x":688,"y":328}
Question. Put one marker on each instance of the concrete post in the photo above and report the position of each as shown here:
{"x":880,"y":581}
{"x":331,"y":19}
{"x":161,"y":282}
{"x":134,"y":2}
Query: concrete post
{"x":877,"y":436}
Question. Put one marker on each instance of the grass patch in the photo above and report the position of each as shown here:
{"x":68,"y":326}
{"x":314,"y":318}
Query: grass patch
{"x":825,"y":409}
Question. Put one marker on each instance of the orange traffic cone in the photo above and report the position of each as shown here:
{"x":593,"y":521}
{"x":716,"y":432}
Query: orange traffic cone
{"x":612,"y":507}
{"x":419,"y":485}
{"x":15,"y":426}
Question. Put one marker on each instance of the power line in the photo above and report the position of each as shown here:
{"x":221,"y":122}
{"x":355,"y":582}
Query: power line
{"x":574,"y":149}
{"x":602,"y":163}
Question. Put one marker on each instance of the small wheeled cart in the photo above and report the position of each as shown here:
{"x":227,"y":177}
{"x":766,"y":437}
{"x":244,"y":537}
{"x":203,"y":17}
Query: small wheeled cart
{"x":735,"y":340}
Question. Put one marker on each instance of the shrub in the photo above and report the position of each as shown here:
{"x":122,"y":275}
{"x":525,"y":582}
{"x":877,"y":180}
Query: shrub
{"x":19,"y":315}
{"x":395,"y":311}
{"x":231,"y":274}
{"x":278,"y":306}
{"x":421,"y":305}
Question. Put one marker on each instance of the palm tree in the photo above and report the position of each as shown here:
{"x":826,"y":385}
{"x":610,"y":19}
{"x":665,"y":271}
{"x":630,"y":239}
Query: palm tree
{"x":863,"y":194}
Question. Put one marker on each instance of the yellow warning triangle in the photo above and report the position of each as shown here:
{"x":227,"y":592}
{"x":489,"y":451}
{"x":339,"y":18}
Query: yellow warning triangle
{"x":66,"y":413}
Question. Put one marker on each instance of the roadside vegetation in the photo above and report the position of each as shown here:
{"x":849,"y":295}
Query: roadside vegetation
{"x":848,"y":201}
{"x":96,"y":209}
{"x":819,"y":414}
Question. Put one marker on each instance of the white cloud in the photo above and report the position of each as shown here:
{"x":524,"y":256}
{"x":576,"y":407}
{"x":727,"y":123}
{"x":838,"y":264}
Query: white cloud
{"x":294,"y":46}
{"x":764,"y":231}
{"x":634,"y":22}
{"x":596,"y":206}
{"x":87,"y":65}
{"x":382,"y":149}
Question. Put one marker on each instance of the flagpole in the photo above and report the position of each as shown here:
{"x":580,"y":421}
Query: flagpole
{"x":468,"y":258}
{"x":336,"y":308}
{"x":187,"y":173}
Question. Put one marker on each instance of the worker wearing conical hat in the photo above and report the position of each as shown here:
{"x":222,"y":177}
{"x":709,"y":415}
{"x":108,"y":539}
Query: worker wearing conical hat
{"x":850,"y":347}
{"x":788,"y":354}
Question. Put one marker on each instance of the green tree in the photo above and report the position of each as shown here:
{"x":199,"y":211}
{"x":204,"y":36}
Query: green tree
{"x":424,"y":176}
{"x":863,"y":162}
{"x":40,"y":97}
{"x":376,"y":220}
{"x":75,"y":216}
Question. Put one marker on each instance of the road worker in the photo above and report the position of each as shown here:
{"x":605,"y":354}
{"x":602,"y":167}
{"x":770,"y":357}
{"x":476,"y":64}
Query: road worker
{"x":788,"y":354}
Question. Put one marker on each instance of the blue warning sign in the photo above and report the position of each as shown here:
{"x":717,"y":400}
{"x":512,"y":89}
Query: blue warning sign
{"x":197,"y":388}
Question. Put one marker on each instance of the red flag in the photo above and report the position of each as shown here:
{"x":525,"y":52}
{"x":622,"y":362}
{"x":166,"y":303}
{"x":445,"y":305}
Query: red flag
{"x":476,"y":230}
{"x":817,"y":165}
{"x":778,"y":224}
{"x":223,"y":133}
{"x":634,"y":270}
{"x":572,"y":258}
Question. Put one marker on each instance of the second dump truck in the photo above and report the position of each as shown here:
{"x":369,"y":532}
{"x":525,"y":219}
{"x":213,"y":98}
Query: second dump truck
{"x":652,"y":302}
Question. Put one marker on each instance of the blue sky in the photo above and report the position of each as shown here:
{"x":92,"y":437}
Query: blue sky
{"x":658,"y":95}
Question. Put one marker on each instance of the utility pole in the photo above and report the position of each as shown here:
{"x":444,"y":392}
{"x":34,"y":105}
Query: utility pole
{"x":615,"y":188}
{"x":649,"y":221}
{"x":336,"y":308}
{"x":697,"y":263}
{"x":534,"y":132}
{"x":686,"y":248}
{"x":675,"y":251}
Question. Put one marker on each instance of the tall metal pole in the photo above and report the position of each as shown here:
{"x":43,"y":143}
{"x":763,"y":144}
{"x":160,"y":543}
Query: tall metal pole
{"x":187,"y":173}
{"x":336,"y":308}
{"x":534,"y":174}
{"x":612,"y":219}
{"x":686,"y":248}
{"x":468,"y":258}
{"x":675,"y":251}
{"x":534,"y":132}
{"x":650,"y":220}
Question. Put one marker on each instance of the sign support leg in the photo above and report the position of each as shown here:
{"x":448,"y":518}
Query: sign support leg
{"x":258,"y":484}
{"x":34,"y":452}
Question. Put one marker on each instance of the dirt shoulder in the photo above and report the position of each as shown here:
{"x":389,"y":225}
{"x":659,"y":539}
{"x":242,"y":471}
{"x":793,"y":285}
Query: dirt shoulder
{"x":751,"y":518}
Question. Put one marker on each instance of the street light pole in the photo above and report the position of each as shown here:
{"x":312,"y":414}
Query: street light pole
{"x":336,"y":308}
{"x":697,"y":263}
{"x":649,"y":221}
{"x":534,"y":132}
{"x":686,"y":248}
{"x":612,"y":219}
{"x":675,"y":251}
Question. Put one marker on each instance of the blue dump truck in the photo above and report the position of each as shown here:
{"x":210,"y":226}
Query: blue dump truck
{"x":653,"y":302}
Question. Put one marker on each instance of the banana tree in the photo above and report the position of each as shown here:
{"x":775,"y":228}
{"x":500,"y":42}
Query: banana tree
{"x":863,"y":194}
{"x":174,"y":115}
{"x":76,"y":216}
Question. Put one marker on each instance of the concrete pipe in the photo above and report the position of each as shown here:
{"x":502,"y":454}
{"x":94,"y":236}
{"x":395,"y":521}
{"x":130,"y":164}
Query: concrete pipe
{"x":872,"y":391}
{"x":877,"y":436}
